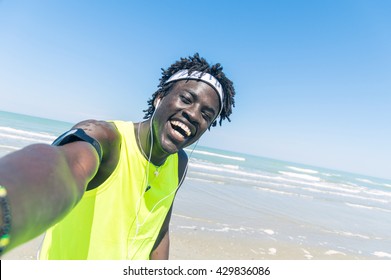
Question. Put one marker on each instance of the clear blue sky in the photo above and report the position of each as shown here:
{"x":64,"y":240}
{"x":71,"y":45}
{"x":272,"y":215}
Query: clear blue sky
{"x":313,"y":78}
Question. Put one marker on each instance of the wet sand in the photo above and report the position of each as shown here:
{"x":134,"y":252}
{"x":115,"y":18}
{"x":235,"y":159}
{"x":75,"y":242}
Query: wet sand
{"x":194,"y":244}
{"x":199,"y":244}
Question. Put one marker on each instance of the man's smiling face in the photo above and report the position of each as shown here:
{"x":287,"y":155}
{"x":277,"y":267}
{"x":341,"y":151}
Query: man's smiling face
{"x":184,"y":114}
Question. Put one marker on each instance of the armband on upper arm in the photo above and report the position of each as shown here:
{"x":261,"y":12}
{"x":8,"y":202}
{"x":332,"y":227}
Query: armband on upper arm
{"x":78,"y":134}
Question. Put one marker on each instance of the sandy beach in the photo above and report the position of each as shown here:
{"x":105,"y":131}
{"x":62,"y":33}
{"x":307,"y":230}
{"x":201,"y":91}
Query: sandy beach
{"x":197,"y":243}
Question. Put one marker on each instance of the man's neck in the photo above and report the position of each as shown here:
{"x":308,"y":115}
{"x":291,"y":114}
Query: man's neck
{"x":156,"y":156}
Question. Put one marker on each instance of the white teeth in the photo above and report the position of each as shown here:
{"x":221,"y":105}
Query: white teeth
{"x":184,"y":127}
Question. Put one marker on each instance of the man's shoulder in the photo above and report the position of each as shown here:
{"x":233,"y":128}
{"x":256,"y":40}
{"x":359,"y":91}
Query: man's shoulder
{"x":107,"y":134}
{"x":101,"y":130}
{"x":91,"y":124}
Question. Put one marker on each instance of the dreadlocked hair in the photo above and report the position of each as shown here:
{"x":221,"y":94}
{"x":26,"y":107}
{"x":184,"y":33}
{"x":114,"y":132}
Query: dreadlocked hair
{"x":196,"y":63}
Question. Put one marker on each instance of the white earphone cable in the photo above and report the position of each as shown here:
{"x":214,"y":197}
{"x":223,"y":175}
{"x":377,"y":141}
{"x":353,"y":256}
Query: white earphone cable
{"x":144,"y":189}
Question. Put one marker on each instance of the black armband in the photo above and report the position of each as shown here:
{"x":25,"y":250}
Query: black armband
{"x":78,"y":134}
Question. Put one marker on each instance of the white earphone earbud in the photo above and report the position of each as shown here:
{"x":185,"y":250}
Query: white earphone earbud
{"x":157,"y":103}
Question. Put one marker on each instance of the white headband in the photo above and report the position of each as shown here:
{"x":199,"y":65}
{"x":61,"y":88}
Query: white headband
{"x":199,"y":76}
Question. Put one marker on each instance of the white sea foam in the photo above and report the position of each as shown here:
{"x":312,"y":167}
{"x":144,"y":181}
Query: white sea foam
{"x":193,"y":219}
{"x":382,"y":254}
{"x":220,"y":168}
{"x":294,"y":181}
{"x":378,"y":193}
{"x":268,"y":183}
{"x":359,"y":206}
{"x":349,"y":234}
{"x":283,"y":193}
{"x":187,"y":227}
{"x":272,"y":251}
{"x":331,"y":175}
{"x":333,"y":252}
{"x":347,"y":195}
{"x":367,"y":207}
{"x":230,"y":166}
{"x":364,"y":180}
{"x":367,"y":181}
{"x":269,"y":231}
{"x":22,"y":135}
{"x":277,"y":185}
{"x":366,"y":192}
{"x":208,"y":178}
{"x":17,"y":137}
{"x":321,"y":184}
{"x":300,"y":176}
{"x":204,"y":180}
{"x":9,"y":147}
{"x":16,"y":132}
{"x":303,"y":170}
{"x":337,"y":187}
{"x":307,"y":254}
{"x":216,"y":155}
{"x":217,"y":177}
{"x":223,"y":229}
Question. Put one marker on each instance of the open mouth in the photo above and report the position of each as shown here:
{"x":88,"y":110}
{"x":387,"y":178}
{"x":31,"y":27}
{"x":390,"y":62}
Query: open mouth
{"x":180,"y":129}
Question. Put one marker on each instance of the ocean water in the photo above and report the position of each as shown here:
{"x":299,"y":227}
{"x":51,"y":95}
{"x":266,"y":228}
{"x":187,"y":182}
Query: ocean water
{"x":322,"y":213}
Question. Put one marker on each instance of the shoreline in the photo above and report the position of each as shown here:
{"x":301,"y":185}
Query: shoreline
{"x":199,"y":244}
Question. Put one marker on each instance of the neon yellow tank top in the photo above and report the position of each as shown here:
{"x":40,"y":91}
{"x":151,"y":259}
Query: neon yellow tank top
{"x":104,"y":225}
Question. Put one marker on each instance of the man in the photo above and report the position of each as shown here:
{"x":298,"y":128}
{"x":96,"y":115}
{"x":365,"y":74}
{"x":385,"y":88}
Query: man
{"x":104,"y":190}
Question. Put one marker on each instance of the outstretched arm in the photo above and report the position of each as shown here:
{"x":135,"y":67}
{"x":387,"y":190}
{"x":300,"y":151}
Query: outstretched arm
{"x":45,"y":182}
